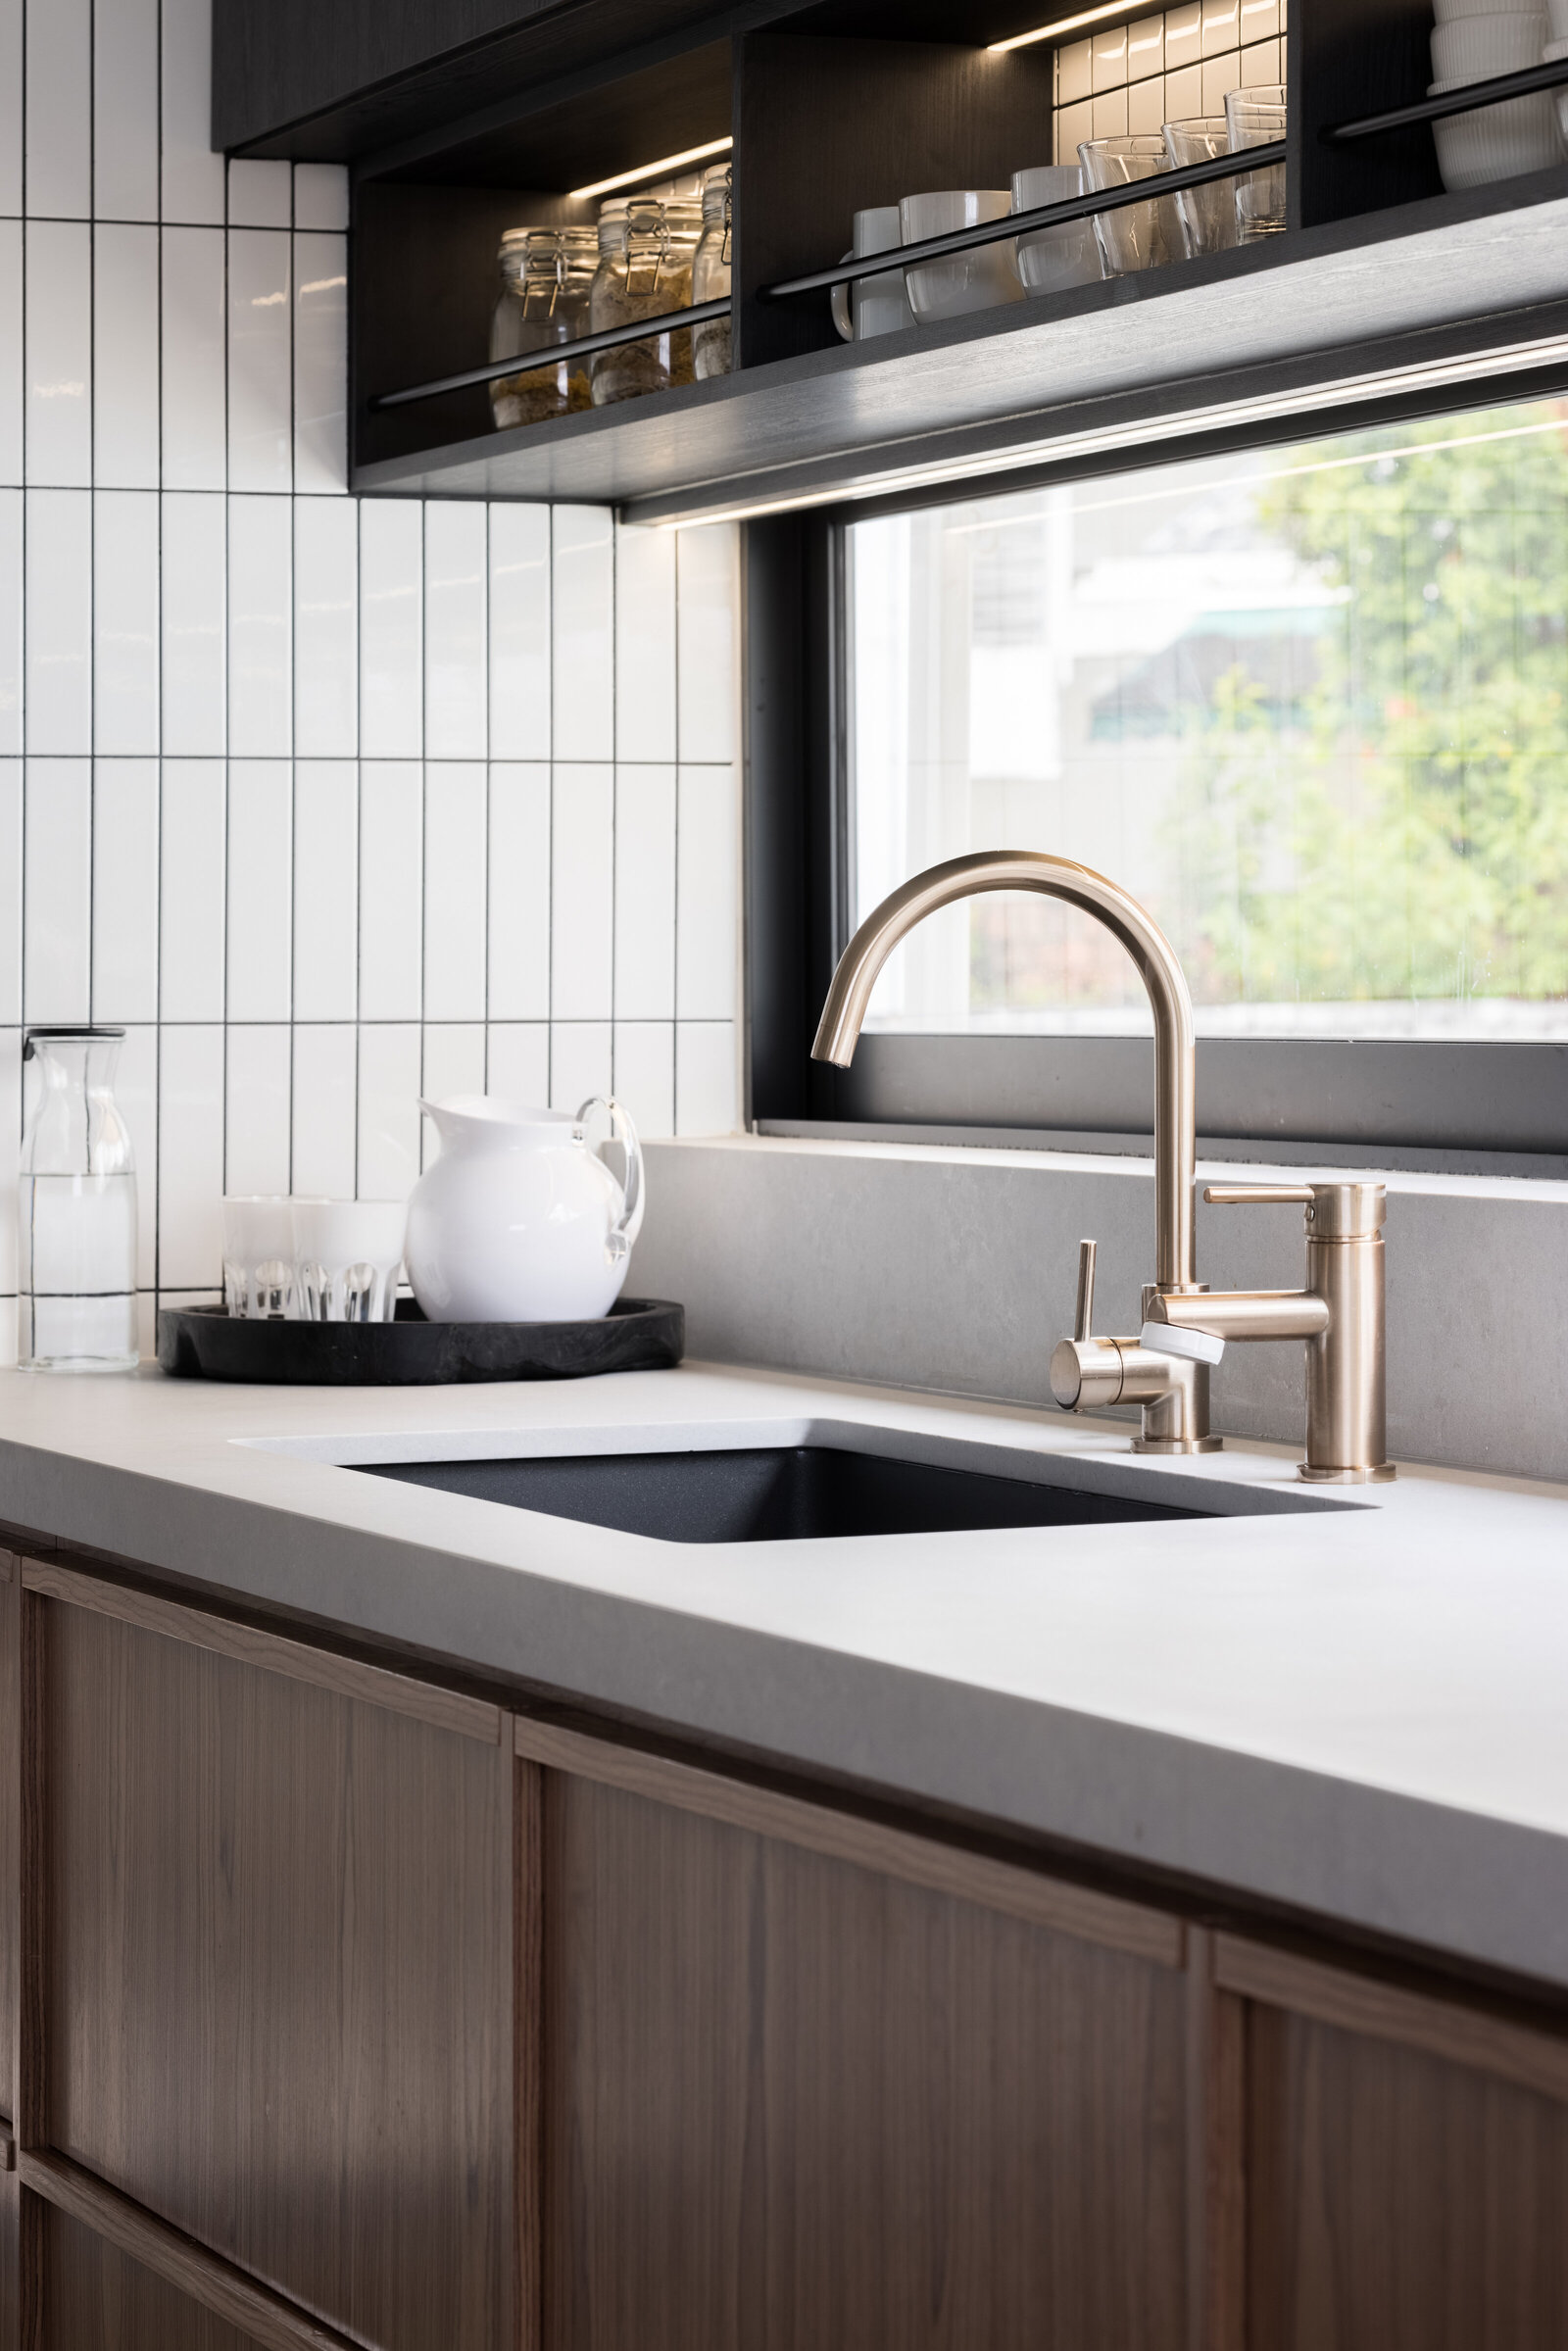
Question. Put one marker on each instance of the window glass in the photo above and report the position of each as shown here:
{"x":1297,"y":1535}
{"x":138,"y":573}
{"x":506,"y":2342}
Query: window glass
{"x":1311,"y":706}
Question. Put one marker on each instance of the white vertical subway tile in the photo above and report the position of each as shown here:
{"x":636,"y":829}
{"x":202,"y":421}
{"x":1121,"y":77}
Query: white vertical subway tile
{"x":261,"y":194}
{"x":582,"y":871}
{"x":57,"y":891}
{"x":705,"y":1077}
{"x":125,"y":420}
{"x":645,"y":1074}
{"x":453,"y":1064}
{"x":645,"y":893}
{"x":259,"y":615}
{"x":11,"y":16}
{"x":391,"y":860}
{"x":455,"y":561}
{"x":136,"y":1093}
{"x":326,"y":940}
{"x":9,"y":1169}
{"x":59,"y":620}
{"x":581,"y":1062}
{"x":59,"y":352}
{"x":518,"y":1061}
{"x":645,"y":643}
{"x":193,"y":175}
{"x":125,"y":566}
{"x":325,"y":1119}
{"x":191,"y":893}
{"x":125,"y":890}
{"x":520,"y":891}
{"x":10,"y":621}
{"x":11,"y":395}
{"x":261,"y":809}
{"x":320,"y":364}
{"x":59,"y":108}
{"x":707,"y":604}
{"x":582,"y":633}
{"x":10,"y":893}
{"x":706,"y":895}
{"x":190,"y":1156}
{"x":258,"y":1101}
{"x":260,"y":420}
{"x":455,"y":828}
{"x":389,"y":1109}
{"x":391,"y":628}
{"x":321,"y":196}
{"x":195,"y":579}
{"x":124,"y":114}
{"x":326,"y":637}
{"x":519,"y":632}
{"x":195,"y":418}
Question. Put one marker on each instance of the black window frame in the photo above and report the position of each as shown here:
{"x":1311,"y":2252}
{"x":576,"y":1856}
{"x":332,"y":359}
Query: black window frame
{"x":1479,"y":1107}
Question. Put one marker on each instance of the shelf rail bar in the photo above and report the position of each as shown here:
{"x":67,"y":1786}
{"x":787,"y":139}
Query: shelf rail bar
{"x":522,"y":363}
{"x":1464,"y":101}
{"x":1040,"y":216}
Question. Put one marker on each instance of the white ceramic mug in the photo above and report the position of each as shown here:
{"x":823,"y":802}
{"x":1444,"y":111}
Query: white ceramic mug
{"x":347,"y":1256}
{"x":259,"y":1257}
{"x":977,"y":280}
{"x":872,"y":306}
{"x":1051,"y":260}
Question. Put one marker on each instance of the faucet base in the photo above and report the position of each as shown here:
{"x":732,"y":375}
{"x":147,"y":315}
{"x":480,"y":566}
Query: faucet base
{"x":1178,"y":1445}
{"x":1382,"y":1473}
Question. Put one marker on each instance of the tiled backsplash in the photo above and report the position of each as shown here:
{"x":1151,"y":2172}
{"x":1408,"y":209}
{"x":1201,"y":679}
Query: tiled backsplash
{"x":329,"y":801}
{"x":1165,"y":68}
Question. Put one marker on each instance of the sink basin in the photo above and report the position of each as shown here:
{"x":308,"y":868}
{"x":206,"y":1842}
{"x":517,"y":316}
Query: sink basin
{"x":778,"y":1493}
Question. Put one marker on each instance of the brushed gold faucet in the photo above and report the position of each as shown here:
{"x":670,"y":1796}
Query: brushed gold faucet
{"x":1165,"y":1369}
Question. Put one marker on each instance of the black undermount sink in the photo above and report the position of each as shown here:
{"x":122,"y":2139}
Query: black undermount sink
{"x":778,"y":1493}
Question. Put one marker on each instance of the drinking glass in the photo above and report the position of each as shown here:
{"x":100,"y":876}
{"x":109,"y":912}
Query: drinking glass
{"x":1207,"y":214}
{"x":978,"y":280}
{"x":259,"y":1257}
{"x":346,"y":1255}
{"x":77,"y":1209}
{"x":1253,"y":118}
{"x":872,"y":306}
{"x":1051,"y":260}
{"x":1136,"y":236}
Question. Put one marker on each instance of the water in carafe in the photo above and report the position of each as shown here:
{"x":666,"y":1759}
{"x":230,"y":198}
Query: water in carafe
{"x":76,"y":1276}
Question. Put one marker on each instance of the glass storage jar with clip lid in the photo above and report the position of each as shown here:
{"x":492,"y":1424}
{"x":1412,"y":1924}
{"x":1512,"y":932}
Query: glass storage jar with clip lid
{"x":76,"y":1269}
{"x":646,"y":250}
{"x":546,"y":274}
{"x":713,"y":343}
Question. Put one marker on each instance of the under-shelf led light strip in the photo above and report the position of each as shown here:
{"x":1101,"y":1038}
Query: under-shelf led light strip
{"x":666,"y":165}
{"x":1049,"y":33}
{"x":1309,"y":400}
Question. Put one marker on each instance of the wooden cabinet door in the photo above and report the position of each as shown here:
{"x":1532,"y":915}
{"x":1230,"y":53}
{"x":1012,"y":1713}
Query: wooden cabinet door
{"x":9,"y":1791}
{"x":274,"y":1965}
{"x":808,"y":2086}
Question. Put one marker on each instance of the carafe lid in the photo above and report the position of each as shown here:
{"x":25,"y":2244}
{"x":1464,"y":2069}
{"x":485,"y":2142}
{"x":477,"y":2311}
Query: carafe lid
{"x":72,"y":1033}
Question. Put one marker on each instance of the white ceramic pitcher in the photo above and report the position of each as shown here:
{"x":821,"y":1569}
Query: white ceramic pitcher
{"x":519,"y":1219}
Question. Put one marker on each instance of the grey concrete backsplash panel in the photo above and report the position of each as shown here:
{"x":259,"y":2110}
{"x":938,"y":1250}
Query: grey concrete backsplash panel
{"x":955,"y":1270}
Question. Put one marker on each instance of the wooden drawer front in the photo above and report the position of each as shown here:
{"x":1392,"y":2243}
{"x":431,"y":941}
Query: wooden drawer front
{"x":1397,"y":2202}
{"x":10,"y":1826}
{"x":275,"y":1975}
{"x":95,"y":2298}
{"x":796,"y":2102}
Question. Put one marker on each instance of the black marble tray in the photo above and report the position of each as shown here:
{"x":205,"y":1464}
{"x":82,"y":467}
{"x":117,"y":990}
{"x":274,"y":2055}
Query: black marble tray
{"x":207,"y":1342}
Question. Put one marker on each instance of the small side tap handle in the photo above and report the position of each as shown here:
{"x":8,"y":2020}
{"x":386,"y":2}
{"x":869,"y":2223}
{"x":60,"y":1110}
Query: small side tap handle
{"x":1256,"y":1195}
{"x":1083,"y":1321}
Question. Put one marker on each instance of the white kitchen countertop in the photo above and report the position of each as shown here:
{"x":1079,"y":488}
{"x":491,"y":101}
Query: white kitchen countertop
{"x":1359,"y":1711}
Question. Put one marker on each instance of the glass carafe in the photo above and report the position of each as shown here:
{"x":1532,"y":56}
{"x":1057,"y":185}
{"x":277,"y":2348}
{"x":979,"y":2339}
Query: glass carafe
{"x":646,"y":250}
{"x":76,"y":1273}
{"x":545,"y":279}
{"x":712,"y":342}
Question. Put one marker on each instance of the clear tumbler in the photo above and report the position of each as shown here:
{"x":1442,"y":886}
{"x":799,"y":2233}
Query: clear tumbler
{"x":76,"y":1277}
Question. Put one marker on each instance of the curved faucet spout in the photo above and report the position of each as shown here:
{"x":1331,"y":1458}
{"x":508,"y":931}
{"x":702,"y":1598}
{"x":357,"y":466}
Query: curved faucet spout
{"x":1175,"y":1062}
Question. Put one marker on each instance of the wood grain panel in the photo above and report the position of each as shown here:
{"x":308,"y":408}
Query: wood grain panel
{"x":278,"y":1975}
{"x":1399,"y":2203}
{"x":10,"y":1829}
{"x":1448,"y":2029}
{"x":167,"y":2279}
{"x":423,"y":1702}
{"x":794,"y":2103}
{"x":96,"y":2299}
{"x":527,"y":1940}
{"x":1021,"y":1893}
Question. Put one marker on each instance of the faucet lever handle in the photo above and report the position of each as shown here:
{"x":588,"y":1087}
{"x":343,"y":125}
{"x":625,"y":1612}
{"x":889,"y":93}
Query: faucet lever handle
{"x":1083,"y":1321}
{"x":1255,"y":1196}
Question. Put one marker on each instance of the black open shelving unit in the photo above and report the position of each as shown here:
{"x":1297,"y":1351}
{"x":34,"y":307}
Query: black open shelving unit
{"x":1379,"y":277}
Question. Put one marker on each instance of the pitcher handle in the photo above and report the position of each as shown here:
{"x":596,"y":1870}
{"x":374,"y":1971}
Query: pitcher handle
{"x":624,"y":1231}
